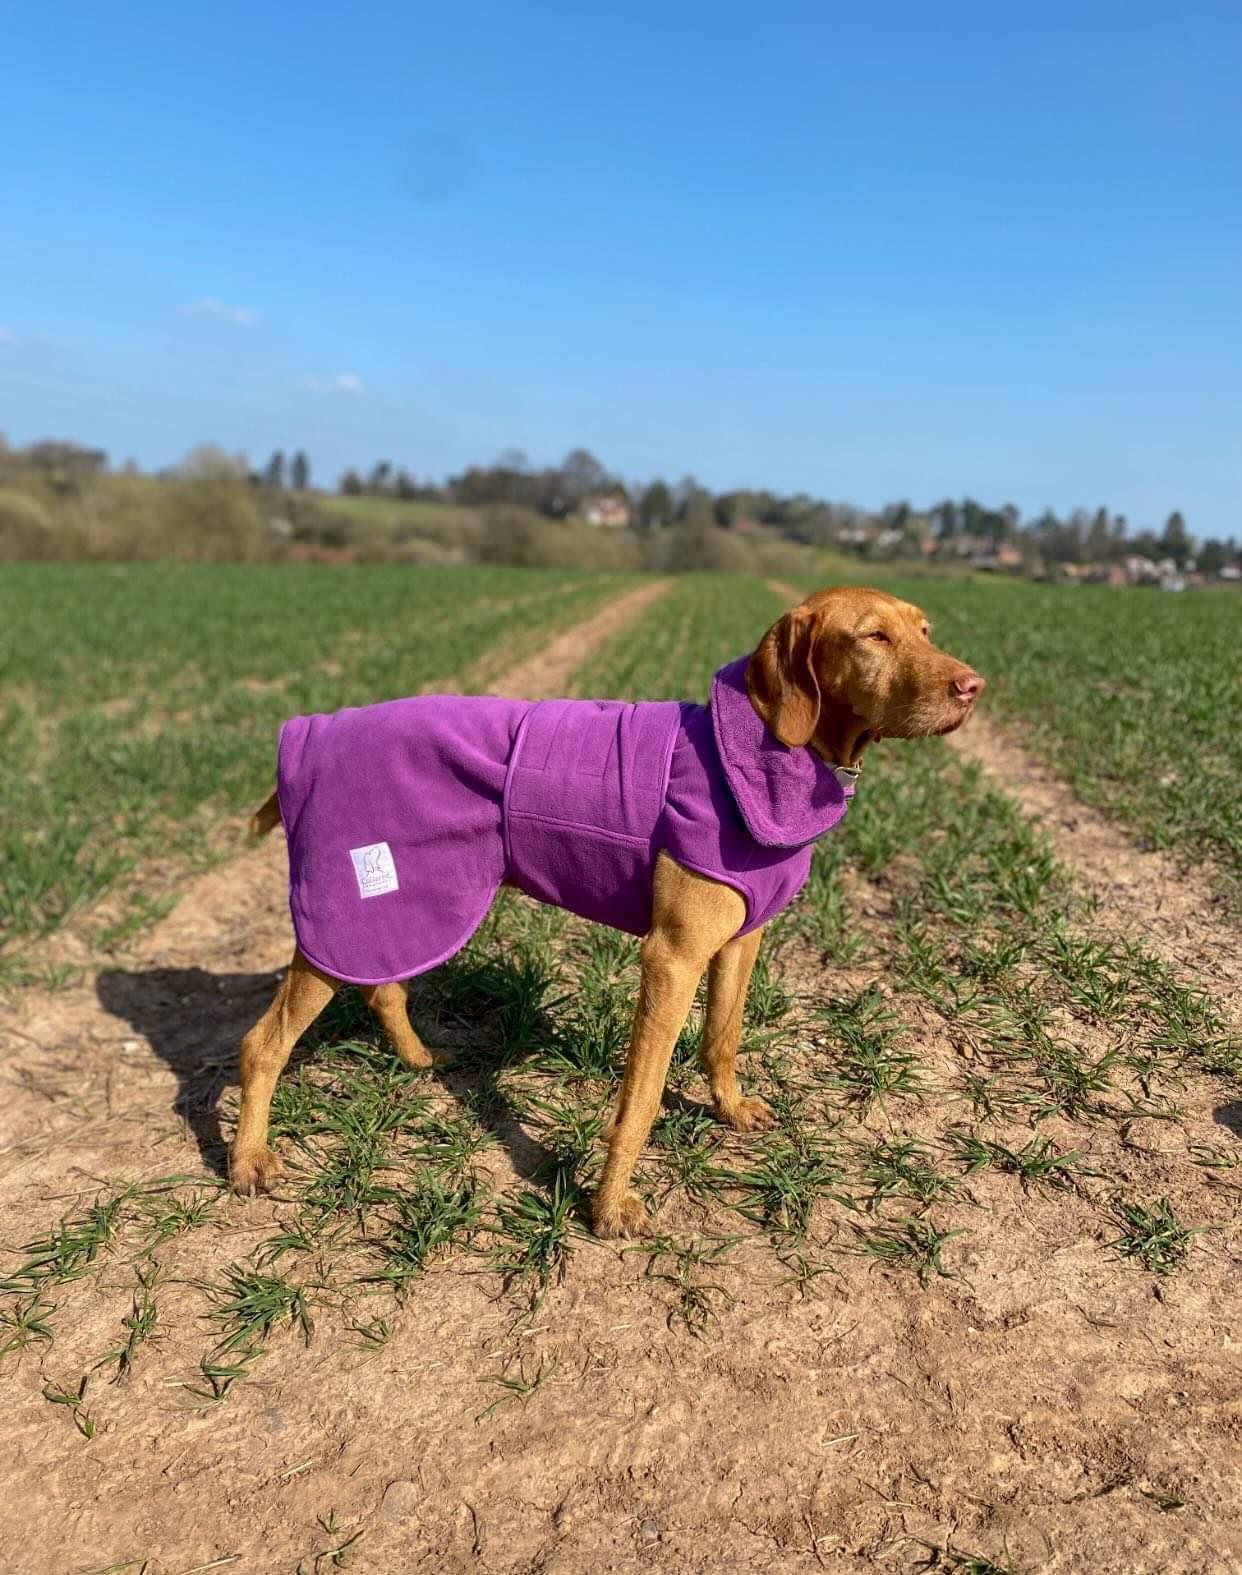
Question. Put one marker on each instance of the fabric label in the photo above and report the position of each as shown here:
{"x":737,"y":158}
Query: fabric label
{"x":375,"y":869}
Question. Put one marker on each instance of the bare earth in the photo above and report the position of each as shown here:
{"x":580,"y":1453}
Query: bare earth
{"x":1050,"y":1406}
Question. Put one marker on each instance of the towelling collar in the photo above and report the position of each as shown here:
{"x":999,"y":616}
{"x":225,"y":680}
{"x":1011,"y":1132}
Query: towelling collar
{"x":787,"y":797}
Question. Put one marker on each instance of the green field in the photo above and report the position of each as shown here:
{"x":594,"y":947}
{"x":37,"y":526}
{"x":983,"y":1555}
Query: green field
{"x":1134,"y":696}
{"x":952,"y":1044}
{"x":140,"y":705}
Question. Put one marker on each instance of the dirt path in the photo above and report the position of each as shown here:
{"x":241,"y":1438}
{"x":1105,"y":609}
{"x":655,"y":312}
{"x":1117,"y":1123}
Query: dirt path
{"x":1139,"y":892}
{"x":786,"y":592}
{"x":547,"y":673}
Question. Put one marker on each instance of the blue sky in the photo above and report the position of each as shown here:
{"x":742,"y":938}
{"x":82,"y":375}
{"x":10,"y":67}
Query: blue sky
{"x":870,"y":252}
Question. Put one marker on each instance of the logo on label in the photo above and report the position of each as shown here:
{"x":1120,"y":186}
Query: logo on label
{"x":375,"y":869}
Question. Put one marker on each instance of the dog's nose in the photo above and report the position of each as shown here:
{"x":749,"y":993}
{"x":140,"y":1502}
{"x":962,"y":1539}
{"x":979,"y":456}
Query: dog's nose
{"x":968,"y":685}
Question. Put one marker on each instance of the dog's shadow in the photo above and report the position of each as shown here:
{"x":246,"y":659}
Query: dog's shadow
{"x":194,"y":1021}
{"x":1230,"y":1117}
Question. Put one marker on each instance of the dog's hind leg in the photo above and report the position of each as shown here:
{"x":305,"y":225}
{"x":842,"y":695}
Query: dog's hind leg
{"x":388,"y":1002}
{"x":728,"y":980}
{"x":303,"y":994}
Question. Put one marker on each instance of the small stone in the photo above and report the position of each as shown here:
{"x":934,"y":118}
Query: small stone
{"x":401,"y":1500}
{"x":649,"y":1531}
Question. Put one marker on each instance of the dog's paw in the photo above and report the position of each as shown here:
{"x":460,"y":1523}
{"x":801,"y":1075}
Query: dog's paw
{"x":748,"y":1115}
{"x":256,"y":1172}
{"x":617,"y":1221}
{"x":423,"y":1059}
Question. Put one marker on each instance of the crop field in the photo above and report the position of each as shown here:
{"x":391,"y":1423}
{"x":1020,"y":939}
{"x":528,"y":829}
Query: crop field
{"x":140,"y":705}
{"x":971,"y":1304}
{"x":1128,"y":696}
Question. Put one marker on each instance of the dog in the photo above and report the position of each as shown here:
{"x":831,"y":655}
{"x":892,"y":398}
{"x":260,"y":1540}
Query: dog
{"x":690,"y":825}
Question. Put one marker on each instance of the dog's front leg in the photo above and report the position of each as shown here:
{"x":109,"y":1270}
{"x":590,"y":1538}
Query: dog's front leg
{"x":727,"y":983}
{"x":691,"y":920}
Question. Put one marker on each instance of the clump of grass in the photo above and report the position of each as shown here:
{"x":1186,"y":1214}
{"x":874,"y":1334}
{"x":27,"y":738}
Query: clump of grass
{"x":250,"y":1304}
{"x":995,"y":1097}
{"x":172,"y":1216}
{"x":518,"y":1386}
{"x":1151,"y":1234}
{"x":533,"y":1232}
{"x":74,"y":1401}
{"x":870,"y":1061}
{"x":592,"y":1036}
{"x":336,"y":1557}
{"x":959,"y":1562}
{"x":568,"y":1131}
{"x":70,"y":1250}
{"x":372,"y":1336}
{"x":29,"y":1319}
{"x":439,"y":1213}
{"x":677,"y":1264}
{"x":913,"y":1243}
{"x":140,"y":1324}
{"x":1038,"y":1163}
{"x":791,"y":1172}
{"x":508,"y":995}
{"x":904,"y":1168}
{"x":688,"y":1144}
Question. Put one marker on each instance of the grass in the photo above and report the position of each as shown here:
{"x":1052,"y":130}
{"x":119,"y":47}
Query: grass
{"x":1151,"y":1235}
{"x":938,"y":1022}
{"x":1125,"y":690}
{"x":141,"y":703}
{"x":913,"y":1243}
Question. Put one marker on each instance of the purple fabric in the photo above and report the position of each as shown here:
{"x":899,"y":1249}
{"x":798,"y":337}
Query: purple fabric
{"x":786,"y":796}
{"x":403,"y":819}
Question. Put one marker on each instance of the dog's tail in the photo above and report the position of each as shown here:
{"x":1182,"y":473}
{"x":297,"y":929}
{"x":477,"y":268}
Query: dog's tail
{"x":266,"y":816}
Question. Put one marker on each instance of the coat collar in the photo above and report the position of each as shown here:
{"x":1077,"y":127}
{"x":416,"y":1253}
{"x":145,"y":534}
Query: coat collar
{"x":787,"y":797}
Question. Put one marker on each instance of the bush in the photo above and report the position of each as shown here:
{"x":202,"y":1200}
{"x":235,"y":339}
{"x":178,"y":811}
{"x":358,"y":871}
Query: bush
{"x":518,"y":536}
{"x":215,"y":520}
{"x":698,"y":545}
{"x":26,"y":527}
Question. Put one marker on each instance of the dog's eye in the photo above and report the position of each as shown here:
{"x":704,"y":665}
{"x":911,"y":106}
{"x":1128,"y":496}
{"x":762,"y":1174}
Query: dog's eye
{"x":878,"y":634}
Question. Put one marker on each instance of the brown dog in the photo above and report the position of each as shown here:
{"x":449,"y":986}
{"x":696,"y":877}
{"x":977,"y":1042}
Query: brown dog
{"x":846,"y":667}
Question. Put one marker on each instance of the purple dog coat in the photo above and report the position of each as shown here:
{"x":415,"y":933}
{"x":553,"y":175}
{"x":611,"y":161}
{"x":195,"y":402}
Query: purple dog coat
{"x":405,"y":818}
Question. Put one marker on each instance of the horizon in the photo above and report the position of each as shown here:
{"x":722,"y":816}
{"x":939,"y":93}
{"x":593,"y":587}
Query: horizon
{"x":808,"y":253}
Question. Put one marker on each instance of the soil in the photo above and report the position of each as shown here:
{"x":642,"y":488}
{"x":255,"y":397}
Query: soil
{"x":1176,"y":911}
{"x":1051,"y":1406}
{"x":546,"y":673}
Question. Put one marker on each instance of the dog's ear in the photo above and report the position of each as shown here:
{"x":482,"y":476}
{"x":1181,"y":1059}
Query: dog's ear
{"x":781,"y":678}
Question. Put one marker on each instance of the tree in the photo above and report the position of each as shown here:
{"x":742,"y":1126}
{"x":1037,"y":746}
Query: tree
{"x":299,"y":471}
{"x":274,"y":472}
{"x":1175,"y":543}
{"x":209,"y":462}
{"x":377,"y":481}
{"x":583,"y":474}
{"x":1099,"y":537}
{"x":351,"y":483}
{"x":655,"y":505}
{"x":404,"y":485}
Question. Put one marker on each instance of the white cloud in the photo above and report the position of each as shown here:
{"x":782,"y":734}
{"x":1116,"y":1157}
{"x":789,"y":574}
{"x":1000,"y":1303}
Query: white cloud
{"x":221,"y":311}
{"x":342,"y":383}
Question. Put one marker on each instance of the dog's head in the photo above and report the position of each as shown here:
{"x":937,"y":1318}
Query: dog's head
{"x":850,"y":665}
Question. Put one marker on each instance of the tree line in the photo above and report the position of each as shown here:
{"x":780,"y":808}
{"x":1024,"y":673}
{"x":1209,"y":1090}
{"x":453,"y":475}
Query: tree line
{"x":1082,"y":537}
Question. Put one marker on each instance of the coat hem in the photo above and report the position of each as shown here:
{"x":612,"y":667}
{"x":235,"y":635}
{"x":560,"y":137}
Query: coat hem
{"x":413,"y":973}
